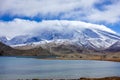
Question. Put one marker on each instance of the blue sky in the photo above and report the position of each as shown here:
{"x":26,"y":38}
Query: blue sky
{"x":101,"y":12}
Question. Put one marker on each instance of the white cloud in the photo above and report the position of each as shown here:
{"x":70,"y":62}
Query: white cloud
{"x":16,"y":27}
{"x":34,"y":7}
{"x":25,"y":27}
{"x":111,"y":14}
{"x":71,"y":9}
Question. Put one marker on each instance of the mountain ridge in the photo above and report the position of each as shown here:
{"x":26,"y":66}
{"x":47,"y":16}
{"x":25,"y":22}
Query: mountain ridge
{"x":9,"y":51}
{"x":80,"y":33}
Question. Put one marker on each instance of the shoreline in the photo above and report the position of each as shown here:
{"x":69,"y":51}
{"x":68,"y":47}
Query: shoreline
{"x":82,"y":78}
{"x":76,"y":56}
{"x":70,"y":58}
{"x":59,"y":58}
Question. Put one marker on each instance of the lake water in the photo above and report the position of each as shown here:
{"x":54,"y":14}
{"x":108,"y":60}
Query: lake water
{"x":29,"y":68}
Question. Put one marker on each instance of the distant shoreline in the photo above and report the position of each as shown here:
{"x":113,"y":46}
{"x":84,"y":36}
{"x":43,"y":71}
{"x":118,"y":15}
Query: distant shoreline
{"x":98,"y":58}
{"x":73,"y":57}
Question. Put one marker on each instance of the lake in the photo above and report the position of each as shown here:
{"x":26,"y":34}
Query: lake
{"x":30,"y":68}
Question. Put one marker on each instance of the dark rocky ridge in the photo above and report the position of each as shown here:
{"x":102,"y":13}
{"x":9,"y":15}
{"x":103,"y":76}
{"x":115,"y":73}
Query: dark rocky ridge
{"x":8,"y":51}
{"x":114,"y":48}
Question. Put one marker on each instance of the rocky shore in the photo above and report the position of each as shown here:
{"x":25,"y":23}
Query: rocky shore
{"x":105,"y":78}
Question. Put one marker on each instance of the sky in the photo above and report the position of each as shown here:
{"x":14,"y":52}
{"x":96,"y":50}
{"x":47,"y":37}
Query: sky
{"x":19,"y":17}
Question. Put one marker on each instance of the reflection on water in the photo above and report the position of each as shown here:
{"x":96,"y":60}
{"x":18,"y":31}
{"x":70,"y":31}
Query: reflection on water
{"x":29,"y":68}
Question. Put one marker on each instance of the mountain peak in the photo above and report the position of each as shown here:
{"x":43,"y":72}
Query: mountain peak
{"x":81,"y":33}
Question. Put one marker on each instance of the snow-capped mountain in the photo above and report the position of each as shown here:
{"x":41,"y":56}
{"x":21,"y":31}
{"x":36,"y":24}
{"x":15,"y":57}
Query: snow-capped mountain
{"x":3,"y":39}
{"x":78,"y":33}
{"x":24,"y":39}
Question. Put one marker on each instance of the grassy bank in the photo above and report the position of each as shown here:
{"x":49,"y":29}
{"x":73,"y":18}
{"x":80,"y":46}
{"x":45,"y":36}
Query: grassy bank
{"x":76,"y":56}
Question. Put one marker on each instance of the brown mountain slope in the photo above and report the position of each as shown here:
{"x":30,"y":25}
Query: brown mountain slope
{"x":61,"y":52}
{"x":8,"y":51}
